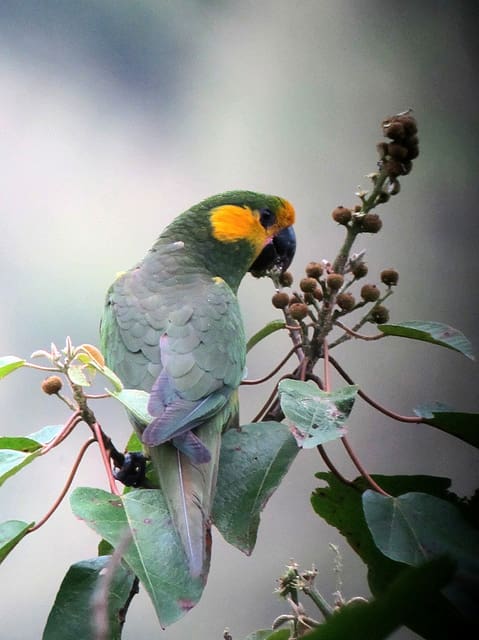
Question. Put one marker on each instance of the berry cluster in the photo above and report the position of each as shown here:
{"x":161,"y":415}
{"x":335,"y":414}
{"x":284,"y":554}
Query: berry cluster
{"x":322,"y":287}
{"x":396,"y":156}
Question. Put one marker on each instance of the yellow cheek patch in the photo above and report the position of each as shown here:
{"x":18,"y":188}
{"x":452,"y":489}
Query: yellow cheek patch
{"x":232,"y":223}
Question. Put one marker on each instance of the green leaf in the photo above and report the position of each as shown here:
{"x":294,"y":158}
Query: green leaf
{"x":416,"y":527}
{"x":410,"y":597}
{"x":434,"y":332}
{"x":253,"y":461}
{"x":14,"y":456}
{"x":9,"y":364}
{"x":155,"y":554}
{"x":71,"y":616}
{"x":267,"y":634}
{"x":78,"y":375}
{"x":136,"y":401}
{"x":11,"y":532}
{"x":271,"y":327}
{"x":460,"y":424}
{"x":341,"y":506}
{"x":317,"y":416}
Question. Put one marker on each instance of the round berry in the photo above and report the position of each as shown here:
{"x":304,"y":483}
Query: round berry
{"x":52,"y":385}
{"x":286,"y":279}
{"x":314,"y":269}
{"x":370,"y":293}
{"x":390,"y":277}
{"x":298,"y":310}
{"x":379,"y":314}
{"x":307,"y":285}
{"x":341,"y":215}
{"x":280,"y":300}
{"x":370,"y":223}
{"x":345,"y":301}
{"x":360,"y":270}
{"x":335,"y":281}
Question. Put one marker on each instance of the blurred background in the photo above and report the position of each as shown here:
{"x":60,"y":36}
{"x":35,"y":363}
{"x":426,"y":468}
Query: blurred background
{"x":118,"y":115}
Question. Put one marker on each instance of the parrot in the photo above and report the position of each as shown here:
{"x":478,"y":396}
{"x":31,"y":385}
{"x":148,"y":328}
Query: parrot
{"x":172,"y":327}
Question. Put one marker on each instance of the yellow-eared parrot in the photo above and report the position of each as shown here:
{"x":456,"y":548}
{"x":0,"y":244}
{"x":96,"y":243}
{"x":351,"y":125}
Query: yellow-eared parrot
{"x":172,"y":327}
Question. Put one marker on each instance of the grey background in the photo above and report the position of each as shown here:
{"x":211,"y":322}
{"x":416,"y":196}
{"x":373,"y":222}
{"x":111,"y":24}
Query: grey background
{"x":115,"y":117}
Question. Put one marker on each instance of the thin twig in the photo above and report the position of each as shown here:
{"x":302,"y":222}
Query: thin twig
{"x":328,"y":462}
{"x":105,"y":456}
{"x":362,"y":470}
{"x":71,"y":423}
{"x":355,"y":334}
{"x":274,"y":371}
{"x":373,"y":403}
{"x":71,"y":475}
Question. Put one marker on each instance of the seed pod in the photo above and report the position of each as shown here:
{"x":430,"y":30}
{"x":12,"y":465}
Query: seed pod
{"x":318,"y":294}
{"x":342,"y":215}
{"x":52,"y":385}
{"x":390,"y":277}
{"x":280,"y":300}
{"x":370,"y":293}
{"x":298,"y":310}
{"x":334,"y":281}
{"x":380,"y":314}
{"x":345,"y":301}
{"x":314,"y":270}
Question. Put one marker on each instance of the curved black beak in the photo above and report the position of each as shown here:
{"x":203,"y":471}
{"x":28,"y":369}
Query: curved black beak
{"x":279,"y":254}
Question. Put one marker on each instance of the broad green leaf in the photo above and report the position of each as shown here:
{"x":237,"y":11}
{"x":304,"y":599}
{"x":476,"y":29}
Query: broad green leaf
{"x":415,"y":526}
{"x":267,"y":330}
{"x":341,"y":506}
{"x":11,"y":532}
{"x":268,"y":634}
{"x":317,"y":416}
{"x":253,"y":461}
{"x":14,"y":457}
{"x":460,"y":424}
{"x":410,"y":597}
{"x":71,"y":617}
{"x":434,"y":332}
{"x":155,"y":554}
{"x":9,"y":364}
{"x":136,"y":401}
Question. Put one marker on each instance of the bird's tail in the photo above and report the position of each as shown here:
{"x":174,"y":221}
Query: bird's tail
{"x":189,"y":488}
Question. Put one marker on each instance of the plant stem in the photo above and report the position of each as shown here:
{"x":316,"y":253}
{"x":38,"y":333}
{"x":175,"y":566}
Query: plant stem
{"x":58,"y":501}
{"x":362,"y":470}
{"x":373,"y":403}
{"x":322,"y":604}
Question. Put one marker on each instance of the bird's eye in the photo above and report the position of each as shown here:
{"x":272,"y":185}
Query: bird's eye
{"x":267,"y":217}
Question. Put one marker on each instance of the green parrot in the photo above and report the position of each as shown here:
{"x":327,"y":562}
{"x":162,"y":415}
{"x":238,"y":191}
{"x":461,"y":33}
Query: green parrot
{"x":172,"y":326}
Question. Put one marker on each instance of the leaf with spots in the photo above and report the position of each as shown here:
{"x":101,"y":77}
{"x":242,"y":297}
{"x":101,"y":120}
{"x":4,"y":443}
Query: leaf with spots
{"x":434,"y":332}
